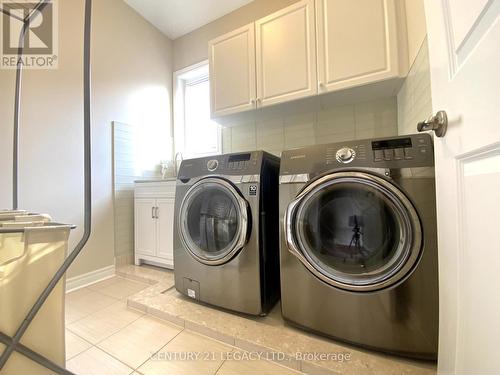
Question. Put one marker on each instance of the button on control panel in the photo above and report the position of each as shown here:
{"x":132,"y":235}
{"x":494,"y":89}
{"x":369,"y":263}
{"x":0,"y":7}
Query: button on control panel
{"x":388,"y":154}
{"x":399,"y":154}
{"x":401,"y":149}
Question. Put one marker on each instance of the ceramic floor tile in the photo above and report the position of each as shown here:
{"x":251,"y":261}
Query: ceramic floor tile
{"x":137,"y":342}
{"x":86,"y":302}
{"x":103,"y":284}
{"x":242,"y":366}
{"x":103,"y":323}
{"x":73,"y":314}
{"x":120,"y":288}
{"x":75,"y":345}
{"x":195,"y":355}
{"x":77,"y":294}
{"x":96,"y":362}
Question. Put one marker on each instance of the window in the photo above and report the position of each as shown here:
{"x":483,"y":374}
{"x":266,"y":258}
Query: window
{"x":195,"y":134}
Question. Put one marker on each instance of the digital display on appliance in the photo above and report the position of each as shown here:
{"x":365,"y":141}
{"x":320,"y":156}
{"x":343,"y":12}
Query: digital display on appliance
{"x":391,"y":143}
{"x":239,"y":157}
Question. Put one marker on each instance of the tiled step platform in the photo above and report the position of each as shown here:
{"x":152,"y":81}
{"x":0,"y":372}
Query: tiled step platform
{"x":269,"y":334}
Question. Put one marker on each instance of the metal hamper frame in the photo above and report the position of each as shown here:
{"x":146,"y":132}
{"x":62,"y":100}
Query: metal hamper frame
{"x":13,"y":343}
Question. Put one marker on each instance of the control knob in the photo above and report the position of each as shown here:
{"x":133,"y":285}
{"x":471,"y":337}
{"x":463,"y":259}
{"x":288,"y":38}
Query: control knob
{"x":345,"y":155}
{"x":212,"y":165}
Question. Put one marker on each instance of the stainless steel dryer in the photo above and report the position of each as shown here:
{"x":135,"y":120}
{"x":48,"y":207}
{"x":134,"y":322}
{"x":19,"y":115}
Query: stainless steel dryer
{"x":359,"y":245}
{"x":226,"y":247}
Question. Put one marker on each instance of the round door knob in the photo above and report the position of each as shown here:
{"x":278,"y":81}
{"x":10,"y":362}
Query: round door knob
{"x":212,"y":165}
{"x":345,"y":155}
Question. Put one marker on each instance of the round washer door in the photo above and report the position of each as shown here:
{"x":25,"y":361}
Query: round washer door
{"x":354,"y":231}
{"x":213,"y":221}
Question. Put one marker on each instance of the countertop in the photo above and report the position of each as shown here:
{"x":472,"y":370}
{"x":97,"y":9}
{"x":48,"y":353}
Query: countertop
{"x":169,"y":179}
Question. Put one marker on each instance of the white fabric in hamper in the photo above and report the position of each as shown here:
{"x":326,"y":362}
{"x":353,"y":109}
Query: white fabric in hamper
{"x":28,"y":261}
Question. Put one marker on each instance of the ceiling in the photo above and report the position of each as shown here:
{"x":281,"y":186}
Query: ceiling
{"x":178,"y":17}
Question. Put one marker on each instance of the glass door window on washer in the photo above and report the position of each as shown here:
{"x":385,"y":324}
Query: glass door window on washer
{"x":215,"y":221}
{"x":355,"y":231}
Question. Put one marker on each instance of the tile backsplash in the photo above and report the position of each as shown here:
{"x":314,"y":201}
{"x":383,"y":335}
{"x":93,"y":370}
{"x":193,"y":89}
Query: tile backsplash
{"x":414,"y":97}
{"x":300,"y":126}
{"x":281,"y":131}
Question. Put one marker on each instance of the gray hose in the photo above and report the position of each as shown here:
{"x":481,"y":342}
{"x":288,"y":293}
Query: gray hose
{"x":17,"y":101}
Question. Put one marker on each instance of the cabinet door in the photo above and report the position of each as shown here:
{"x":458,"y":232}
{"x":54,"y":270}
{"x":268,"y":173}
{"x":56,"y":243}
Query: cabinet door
{"x":286,"y":54}
{"x":357,"y":42}
{"x":165,"y":228}
{"x":232,"y":71}
{"x":145,"y":226}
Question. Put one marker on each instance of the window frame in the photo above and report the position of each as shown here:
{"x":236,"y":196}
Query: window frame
{"x":192,"y":73}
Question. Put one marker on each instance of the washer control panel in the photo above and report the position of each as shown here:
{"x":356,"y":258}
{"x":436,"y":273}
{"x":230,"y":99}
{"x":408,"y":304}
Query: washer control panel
{"x":244,"y":163}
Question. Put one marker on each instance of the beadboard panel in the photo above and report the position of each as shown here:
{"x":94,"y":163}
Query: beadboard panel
{"x":124,"y":176}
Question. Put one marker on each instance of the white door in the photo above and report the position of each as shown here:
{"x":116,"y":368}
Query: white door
{"x":464,"y":48}
{"x":232,"y":71}
{"x":145,"y":226}
{"x":286,"y":54}
{"x":165,"y":228}
{"x":357,"y":42}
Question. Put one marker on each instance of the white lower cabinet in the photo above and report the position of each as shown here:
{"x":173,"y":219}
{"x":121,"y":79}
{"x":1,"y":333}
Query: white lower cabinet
{"x":154,"y":223}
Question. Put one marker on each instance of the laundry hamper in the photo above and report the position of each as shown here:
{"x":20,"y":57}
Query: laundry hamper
{"x":30,"y":254}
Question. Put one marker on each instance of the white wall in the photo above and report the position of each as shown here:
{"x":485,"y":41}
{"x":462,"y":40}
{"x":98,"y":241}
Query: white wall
{"x":132,"y":70}
{"x":193,"y":47}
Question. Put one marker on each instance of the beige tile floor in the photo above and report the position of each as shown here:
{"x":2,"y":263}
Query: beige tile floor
{"x":104,"y":337}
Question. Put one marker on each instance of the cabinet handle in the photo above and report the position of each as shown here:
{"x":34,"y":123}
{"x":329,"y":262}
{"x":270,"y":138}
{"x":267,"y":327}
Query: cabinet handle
{"x":153,"y":212}
{"x":252,"y":101}
{"x":157,"y":211}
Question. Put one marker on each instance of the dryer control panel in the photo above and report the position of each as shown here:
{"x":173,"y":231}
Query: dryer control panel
{"x":238,"y":164}
{"x":410,"y":151}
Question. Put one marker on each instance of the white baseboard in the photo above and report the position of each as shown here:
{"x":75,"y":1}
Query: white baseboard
{"x":89,"y":278}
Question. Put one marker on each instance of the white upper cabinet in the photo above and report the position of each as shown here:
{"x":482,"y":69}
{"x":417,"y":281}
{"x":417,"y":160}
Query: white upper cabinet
{"x":286,"y":54}
{"x":311,"y":47}
{"x":357,"y":42}
{"x":232,"y":71}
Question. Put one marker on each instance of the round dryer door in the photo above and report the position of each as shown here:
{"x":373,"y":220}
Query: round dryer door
{"x":354,"y":231}
{"x":213,"y":221}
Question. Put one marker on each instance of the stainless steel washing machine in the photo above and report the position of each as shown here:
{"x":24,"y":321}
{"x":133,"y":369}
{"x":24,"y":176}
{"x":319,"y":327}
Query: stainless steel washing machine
{"x":358,"y":251}
{"x":226,"y":237}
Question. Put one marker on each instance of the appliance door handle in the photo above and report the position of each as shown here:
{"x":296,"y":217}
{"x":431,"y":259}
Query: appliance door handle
{"x":290,"y":242}
{"x":292,"y":246}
